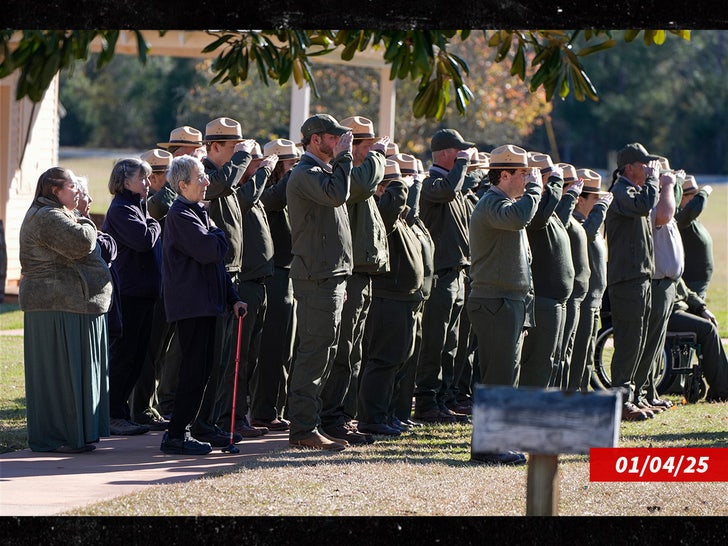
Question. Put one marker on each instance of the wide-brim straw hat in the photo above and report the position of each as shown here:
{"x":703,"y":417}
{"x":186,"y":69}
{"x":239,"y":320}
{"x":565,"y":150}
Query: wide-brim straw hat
{"x":183,"y":136}
{"x":508,"y":156}
{"x":282,"y":147}
{"x":391,"y":170}
{"x":407,"y":163}
{"x":569,"y":173}
{"x":392,"y":149}
{"x":223,"y":129}
{"x":690,"y":186}
{"x":159,"y":160}
{"x":592,"y":181}
{"x":361,"y":127}
{"x":540,"y":161}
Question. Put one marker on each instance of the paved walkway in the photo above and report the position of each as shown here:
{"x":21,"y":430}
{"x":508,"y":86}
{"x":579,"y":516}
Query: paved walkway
{"x":42,"y":484}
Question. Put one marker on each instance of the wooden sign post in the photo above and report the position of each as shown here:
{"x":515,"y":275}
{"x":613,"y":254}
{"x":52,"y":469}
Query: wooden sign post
{"x":544,"y":423}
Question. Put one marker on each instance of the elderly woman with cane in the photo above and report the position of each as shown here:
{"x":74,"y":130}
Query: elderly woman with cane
{"x":197,"y":289}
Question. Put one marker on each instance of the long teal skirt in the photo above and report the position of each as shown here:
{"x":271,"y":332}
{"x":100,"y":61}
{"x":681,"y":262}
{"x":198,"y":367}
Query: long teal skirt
{"x":66,"y":379}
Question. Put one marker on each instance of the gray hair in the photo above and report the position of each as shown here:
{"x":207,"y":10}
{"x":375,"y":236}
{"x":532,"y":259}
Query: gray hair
{"x":82,"y":183}
{"x":180,"y":170}
{"x":124,"y":169}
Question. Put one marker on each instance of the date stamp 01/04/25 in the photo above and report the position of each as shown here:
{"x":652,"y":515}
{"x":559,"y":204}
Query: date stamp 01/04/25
{"x":669,"y":464}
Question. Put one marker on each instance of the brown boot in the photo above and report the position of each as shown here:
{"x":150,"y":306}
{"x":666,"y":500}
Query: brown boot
{"x":316,"y":441}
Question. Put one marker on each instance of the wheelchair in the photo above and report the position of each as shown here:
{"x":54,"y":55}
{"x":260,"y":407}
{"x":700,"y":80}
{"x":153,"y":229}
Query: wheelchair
{"x":679,"y":370}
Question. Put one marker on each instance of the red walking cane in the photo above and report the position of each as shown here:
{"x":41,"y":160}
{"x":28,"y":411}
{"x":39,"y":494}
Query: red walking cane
{"x":230,"y":448}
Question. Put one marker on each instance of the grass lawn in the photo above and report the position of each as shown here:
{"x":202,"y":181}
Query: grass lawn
{"x":13,"y":435}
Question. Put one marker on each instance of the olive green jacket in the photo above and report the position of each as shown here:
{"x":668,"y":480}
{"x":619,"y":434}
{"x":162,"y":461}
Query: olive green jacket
{"x":61,"y":264}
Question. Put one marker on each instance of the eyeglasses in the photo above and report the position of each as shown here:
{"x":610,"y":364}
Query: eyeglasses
{"x":202,"y":177}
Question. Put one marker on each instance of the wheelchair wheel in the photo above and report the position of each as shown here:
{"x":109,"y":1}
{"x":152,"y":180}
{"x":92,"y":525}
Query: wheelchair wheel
{"x":695,"y":388}
{"x":603,"y":353}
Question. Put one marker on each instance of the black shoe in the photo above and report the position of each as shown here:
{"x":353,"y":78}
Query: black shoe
{"x":433,"y":415}
{"x":219,"y":438}
{"x":512,"y":458}
{"x":184,"y":446}
{"x":350,"y":433}
{"x":378,"y":428}
{"x":396,"y":423}
{"x":459,"y":417}
{"x":157,"y":423}
{"x":412,"y":424}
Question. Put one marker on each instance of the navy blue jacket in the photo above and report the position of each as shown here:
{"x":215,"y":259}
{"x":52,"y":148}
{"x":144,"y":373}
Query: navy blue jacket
{"x":139,"y":246}
{"x":196,"y":283}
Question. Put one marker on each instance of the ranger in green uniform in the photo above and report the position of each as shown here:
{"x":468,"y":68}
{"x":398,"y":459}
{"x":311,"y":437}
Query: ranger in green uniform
{"x":500,"y":273}
{"x":630,"y":266}
{"x":371,"y":257}
{"x":322,"y":260}
{"x":696,"y":238}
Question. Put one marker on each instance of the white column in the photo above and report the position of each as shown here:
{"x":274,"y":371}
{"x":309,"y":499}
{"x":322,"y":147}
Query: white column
{"x":387,"y":103}
{"x":300,"y":98}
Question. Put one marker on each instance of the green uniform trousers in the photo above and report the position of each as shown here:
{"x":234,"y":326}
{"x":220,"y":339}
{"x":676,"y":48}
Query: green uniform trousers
{"x":542,"y":345}
{"x":498,"y":326}
{"x":318,"y":313}
{"x":630,"y":303}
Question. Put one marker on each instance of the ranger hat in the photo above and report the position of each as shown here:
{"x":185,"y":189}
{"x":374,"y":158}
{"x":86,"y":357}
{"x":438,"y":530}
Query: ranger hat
{"x":283,"y":148}
{"x":392,"y":149}
{"x":256,"y":152}
{"x":361,"y":127}
{"x":322,"y":123}
{"x":632,"y":153}
{"x":569,"y":173}
{"x":690,"y":186}
{"x":183,"y":136}
{"x":592,"y":181}
{"x":391,"y":170}
{"x":407,"y":163}
{"x":541,"y":161}
{"x":664,"y":164}
{"x":484,"y":158}
{"x":159,"y":160}
{"x":476,"y":161}
{"x":223,"y":129}
{"x":449,"y":138}
{"x":508,"y":156}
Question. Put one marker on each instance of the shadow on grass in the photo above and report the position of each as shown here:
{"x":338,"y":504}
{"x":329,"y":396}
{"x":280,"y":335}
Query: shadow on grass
{"x":683,"y":439}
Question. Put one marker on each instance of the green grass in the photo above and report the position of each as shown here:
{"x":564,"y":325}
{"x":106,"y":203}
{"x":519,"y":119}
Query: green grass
{"x":715,"y":219}
{"x":97,"y":169}
{"x":11,"y":317}
{"x":13,"y":435}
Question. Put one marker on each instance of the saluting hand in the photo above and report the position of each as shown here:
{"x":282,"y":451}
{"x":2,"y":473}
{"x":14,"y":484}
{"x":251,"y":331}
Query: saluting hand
{"x":652,"y":168}
{"x":270,"y":162}
{"x":534,"y":177}
{"x":246,"y":145}
{"x":606,"y":199}
{"x":381,"y":145}
{"x":576,"y":187}
{"x":344,"y":143}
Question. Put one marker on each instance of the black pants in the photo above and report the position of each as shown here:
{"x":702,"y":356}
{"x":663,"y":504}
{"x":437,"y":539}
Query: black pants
{"x":127,"y":353}
{"x":196,"y":337}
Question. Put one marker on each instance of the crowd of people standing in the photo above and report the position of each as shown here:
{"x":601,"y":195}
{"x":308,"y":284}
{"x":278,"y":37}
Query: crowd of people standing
{"x":336,"y":290}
